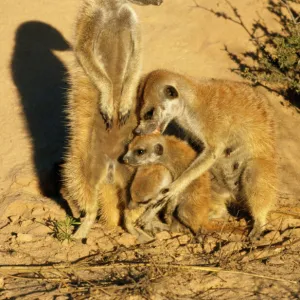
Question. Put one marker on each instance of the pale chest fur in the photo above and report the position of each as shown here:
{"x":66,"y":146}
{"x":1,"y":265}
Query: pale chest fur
{"x":114,"y":44}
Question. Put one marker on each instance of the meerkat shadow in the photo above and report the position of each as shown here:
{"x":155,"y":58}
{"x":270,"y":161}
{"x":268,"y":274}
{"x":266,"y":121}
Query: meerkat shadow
{"x":40,"y":78}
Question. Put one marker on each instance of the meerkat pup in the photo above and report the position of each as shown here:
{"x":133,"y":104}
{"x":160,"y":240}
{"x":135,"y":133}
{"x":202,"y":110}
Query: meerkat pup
{"x":108,"y":48}
{"x":147,"y":182}
{"x":174,"y":156}
{"x":235,"y":126}
{"x":103,"y":81}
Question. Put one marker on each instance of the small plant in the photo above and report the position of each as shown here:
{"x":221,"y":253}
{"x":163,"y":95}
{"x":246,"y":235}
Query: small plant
{"x":276,"y":59}
{"x":62,"y":230}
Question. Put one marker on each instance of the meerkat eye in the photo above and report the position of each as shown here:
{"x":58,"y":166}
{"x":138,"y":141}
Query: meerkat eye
{"x":149,"y":114}
{"x":140,"y":152}
{"x":170,"y":92}
{"x":146,"y":201}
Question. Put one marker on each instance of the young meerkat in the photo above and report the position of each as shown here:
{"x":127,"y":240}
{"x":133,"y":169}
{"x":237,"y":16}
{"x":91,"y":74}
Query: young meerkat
{"x":235,"y":126}
{"x":174,"y":155}
{"x":108,"y":48}
{"x":104,"y":74}
{"x":147,"y":182}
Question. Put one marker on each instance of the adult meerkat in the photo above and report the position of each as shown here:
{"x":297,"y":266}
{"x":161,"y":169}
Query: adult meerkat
{"x":103,"y":79}
{"x":107,"y":46}
{"x":235,"y":126}
{"x":174,"y":156}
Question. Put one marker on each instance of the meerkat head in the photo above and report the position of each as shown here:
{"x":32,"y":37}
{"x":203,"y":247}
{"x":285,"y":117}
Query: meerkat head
{"x":146,"y":2}
{"x":145,"y":149}
{"x":160,"y":102}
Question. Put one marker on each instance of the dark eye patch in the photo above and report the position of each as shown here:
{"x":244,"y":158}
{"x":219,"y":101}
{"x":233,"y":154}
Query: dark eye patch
{"x":146,"y":201}
{"x":170,"y":92}
{"x":149,"y":114}
{"x":140,"y":152}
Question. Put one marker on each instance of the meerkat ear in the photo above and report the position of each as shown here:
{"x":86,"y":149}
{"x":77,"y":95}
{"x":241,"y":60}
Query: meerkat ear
{"x":170,"y":92}
{"x":159,"y":149}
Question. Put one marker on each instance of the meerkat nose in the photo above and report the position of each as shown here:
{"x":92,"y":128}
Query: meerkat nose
{"x":137,"y":131}
{"x":125,"y":160}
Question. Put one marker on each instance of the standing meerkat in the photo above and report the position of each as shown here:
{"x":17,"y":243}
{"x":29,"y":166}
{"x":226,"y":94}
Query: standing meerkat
{"x":235,"y":126}
{"x":103,"y":81}
{"x":174,"y":156}
{"x":108,"y":48}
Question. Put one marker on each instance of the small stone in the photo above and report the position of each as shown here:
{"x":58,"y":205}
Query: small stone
{"x":49,"y":238}
{"x":289,"y":223}
{"x":232,"y":247}
{"x":272,"y":236}
{"x":184,"y":239}
{"x":163,"y":235}
{"x":127,"y":239}
{"x":294,"y":232}
{"x":23,"y":237}
{"x":276,"y":260}
{"x":209,"y":244}
{"x":26,"y":223}
{"x":38,"y":211}
{"x":14,"y":218}
{"x":1,"y":282}
{"x":40,"y":230}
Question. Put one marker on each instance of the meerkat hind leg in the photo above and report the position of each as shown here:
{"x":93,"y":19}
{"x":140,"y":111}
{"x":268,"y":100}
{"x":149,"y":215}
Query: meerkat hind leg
{"x":88,"y":222}
{"x":259,"y":187}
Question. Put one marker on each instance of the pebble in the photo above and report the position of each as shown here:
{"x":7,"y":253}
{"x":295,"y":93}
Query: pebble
{"x":23,"y":237}
{"x":231,"y":247}
{"x":163,"y":235}
{"x":127,"y":239}
{"x":276,"y":260}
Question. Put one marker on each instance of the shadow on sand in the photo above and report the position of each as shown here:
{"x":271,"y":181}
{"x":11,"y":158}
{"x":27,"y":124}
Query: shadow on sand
{"x":41,"y":81}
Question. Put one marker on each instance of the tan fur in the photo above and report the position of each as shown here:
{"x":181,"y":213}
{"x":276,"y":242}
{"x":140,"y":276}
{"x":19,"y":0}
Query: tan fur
{"x":103,"y":80}
{"x":108,"y":48}
{"x":148,"y":181}
{"x":194,"y":202}
{"x":235,"y":126}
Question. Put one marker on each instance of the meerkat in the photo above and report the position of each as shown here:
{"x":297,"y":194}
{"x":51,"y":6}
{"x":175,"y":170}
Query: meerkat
{"x":146,"y":184}
{"x":108,"y":48}
{"x":103,"y":80}
{"x":174,"y":156}
{"x":235,"y":126}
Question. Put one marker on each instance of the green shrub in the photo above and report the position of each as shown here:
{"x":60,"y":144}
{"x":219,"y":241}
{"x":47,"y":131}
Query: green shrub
{"x":275,"y":62}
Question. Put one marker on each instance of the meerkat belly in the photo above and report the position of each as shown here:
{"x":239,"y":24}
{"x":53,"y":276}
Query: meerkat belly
{"x":114,"y":52}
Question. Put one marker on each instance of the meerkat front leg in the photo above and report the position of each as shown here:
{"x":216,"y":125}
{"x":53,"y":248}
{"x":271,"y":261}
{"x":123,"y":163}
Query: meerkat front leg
{"x":132,"y":77}
{"x":86,"y":55}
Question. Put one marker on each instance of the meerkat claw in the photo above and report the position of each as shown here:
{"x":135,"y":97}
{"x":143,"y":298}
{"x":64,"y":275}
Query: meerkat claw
{"x":123,"y":118}
{"x":254,"y":234}
{"x":108,"y":121}
{"x":158,"y":2}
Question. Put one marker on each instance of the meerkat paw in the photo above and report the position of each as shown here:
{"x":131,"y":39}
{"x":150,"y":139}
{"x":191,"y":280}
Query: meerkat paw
{"x":80,"y":234}
{"x":168,"y":194}
{"x":107,"y":115}
{"x":255,"y":233}
{"x":107,"y":120}
{"x":123,"y":117}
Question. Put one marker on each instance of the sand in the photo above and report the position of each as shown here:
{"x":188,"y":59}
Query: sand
{"x":35,"y":55}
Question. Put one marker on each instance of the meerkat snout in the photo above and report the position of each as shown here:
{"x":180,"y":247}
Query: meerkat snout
{"x":138,"y":131}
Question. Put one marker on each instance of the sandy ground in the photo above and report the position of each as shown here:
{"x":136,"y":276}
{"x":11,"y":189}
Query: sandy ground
{"x":34,"y":58}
